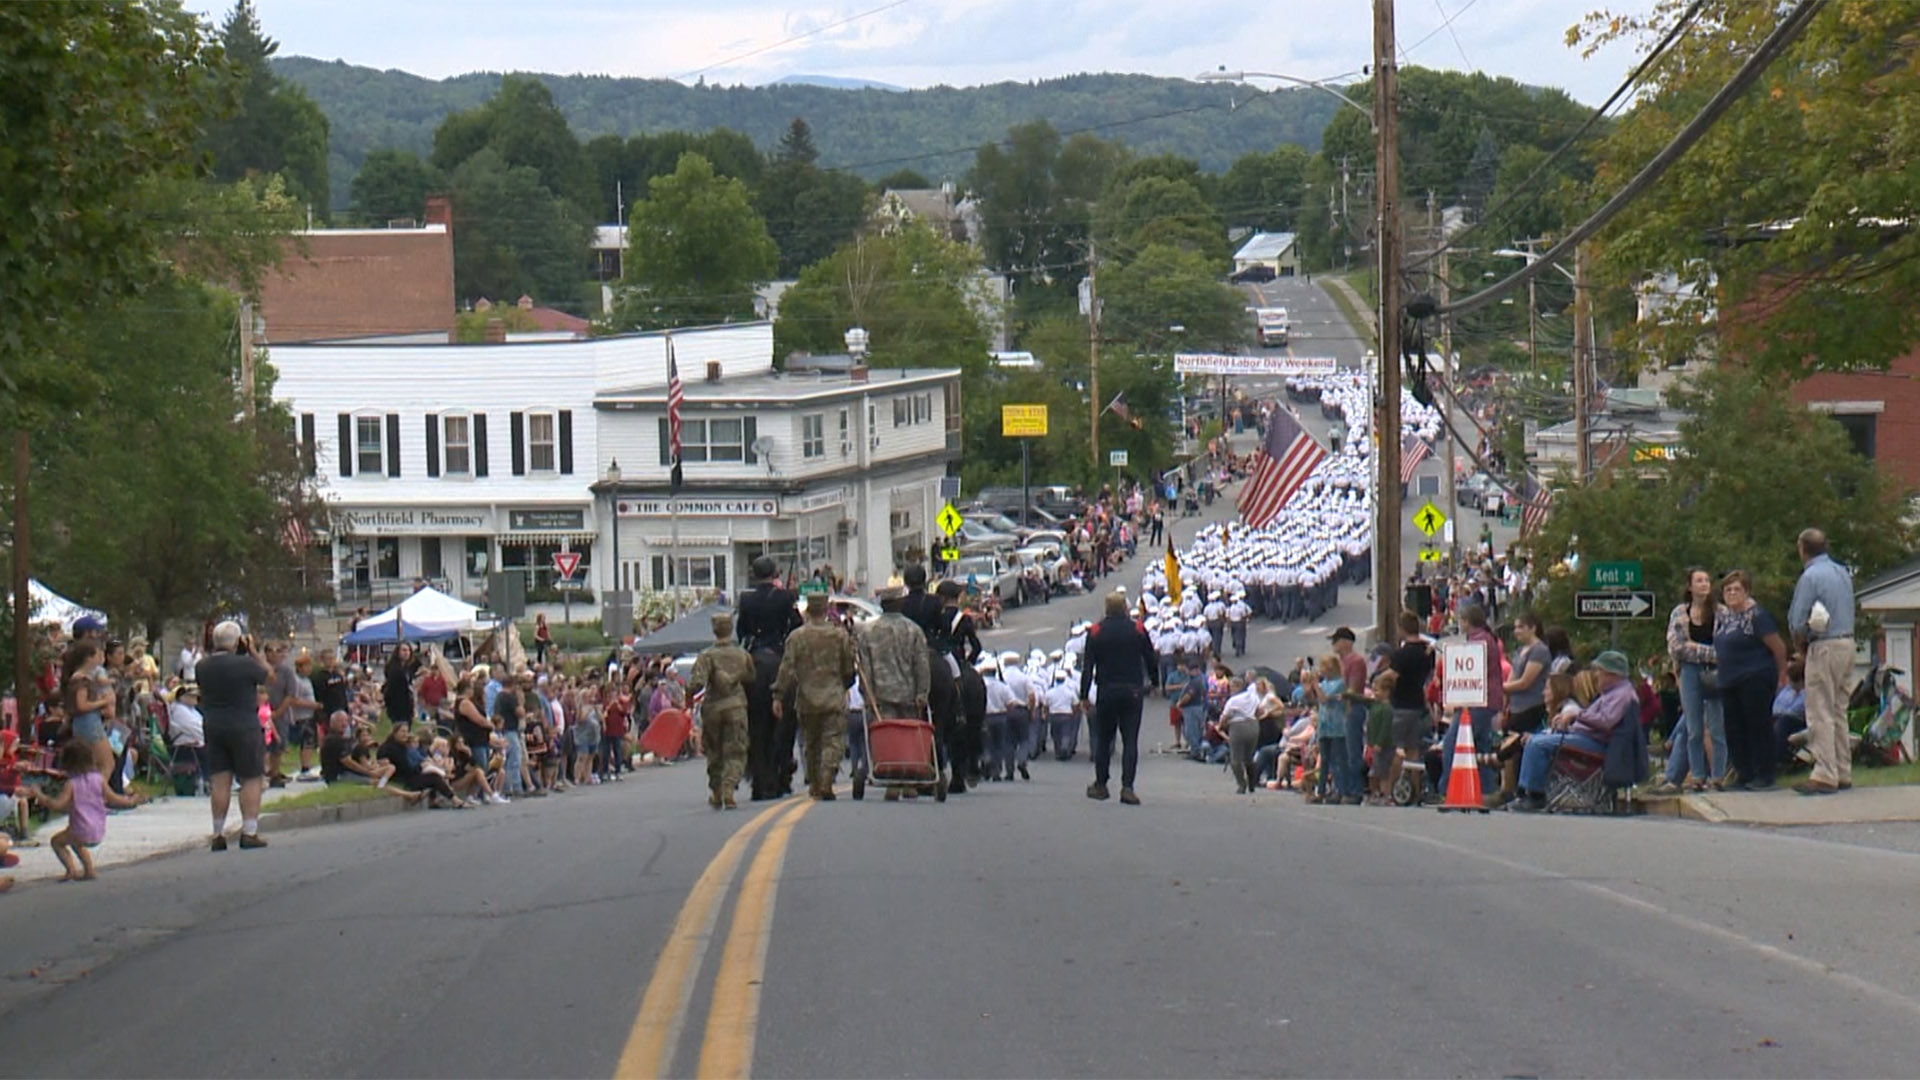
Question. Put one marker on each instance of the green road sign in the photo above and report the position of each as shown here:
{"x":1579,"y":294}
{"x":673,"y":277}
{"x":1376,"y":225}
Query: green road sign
{"x":1615,"y":575}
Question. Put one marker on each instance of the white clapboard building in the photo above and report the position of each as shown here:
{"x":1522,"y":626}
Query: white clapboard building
{"x":448,"y":462}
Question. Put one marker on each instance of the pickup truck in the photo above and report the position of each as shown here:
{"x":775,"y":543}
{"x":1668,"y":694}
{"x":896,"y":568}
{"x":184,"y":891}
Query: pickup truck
{"x":989,"y":574}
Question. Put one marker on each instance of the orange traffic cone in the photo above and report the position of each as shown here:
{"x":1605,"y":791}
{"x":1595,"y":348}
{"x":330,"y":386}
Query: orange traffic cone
{"x":1463,"y":779}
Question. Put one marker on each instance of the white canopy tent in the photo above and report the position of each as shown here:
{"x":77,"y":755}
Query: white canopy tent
{"x":46,"y":606}
{"x":427,"y":615}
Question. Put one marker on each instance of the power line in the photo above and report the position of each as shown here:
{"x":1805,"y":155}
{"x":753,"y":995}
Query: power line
{"x":797,"y":37}
{"x":1777,"y":42}
{"x":1632,"y":79}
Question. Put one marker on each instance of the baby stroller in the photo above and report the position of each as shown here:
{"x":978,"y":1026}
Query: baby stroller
{"x":1878,"y":715}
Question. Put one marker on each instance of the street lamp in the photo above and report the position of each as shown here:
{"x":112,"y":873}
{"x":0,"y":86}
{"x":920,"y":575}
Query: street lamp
{"x":613,"y":503}
{"x":1223,"y":75}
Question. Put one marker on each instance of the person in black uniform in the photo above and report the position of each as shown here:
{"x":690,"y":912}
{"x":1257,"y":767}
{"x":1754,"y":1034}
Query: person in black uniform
{"x":765,"y":617}
{"x":967,"y":738}
{"x":943,"y":699}
{"x":1121,"y":661}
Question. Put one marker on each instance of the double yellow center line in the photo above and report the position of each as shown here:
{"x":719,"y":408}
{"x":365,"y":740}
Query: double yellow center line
{"x":726,"y":1047}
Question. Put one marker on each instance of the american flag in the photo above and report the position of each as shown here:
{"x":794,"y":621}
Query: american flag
{"x":676,"y":397}
{"x":1417,"y":451}
{"x":1283,"y":463}
{"x":294,"y":535}
{"x":1534,"y":513}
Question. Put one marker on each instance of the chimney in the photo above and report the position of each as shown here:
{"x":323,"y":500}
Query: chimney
{"x":713,"y":371}
{"x":440,"y":211}
{"x":496,"y":331}
{"x":858,"y":372}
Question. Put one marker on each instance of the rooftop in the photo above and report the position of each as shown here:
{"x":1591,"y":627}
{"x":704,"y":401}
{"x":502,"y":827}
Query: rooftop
{"x":1265,"y":245}
{"x":777,"y":386}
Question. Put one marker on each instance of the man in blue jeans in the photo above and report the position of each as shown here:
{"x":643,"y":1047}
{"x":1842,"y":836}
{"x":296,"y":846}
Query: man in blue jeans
{"x":1589,"y":730}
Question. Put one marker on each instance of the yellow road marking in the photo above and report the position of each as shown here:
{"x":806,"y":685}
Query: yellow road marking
{"x":663,"y":1008}
{"x":726,"y":1052}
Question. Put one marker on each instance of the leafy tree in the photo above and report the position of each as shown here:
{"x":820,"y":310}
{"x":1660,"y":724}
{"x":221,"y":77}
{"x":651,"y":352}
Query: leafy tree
{"x":1143,"y":299}
{"x":796,"y":146}
{"x":1157,"y":210}
{"x":522,"y":125}
{"x":155,"y":538}
{"x":917,"y":294}
{"x":276,"y":127}
{"x":902,"y":180}
{"x":1264,"y":191}
{"x":809,"y":211}
{"x":696,"y":251}
{"x":512,"y":234}
{"x":622,"y":169}
{"x":79,"y":216}
{"x":1483,"y":169}
{"x":1755,"y":469}
{"x":393,"y":184}
{"x":1023,"y":236}
{"x":1793,"y":214}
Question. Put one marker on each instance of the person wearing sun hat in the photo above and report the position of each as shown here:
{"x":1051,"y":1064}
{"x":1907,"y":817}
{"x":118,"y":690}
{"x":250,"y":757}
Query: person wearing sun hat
{"x":1588,"y":730}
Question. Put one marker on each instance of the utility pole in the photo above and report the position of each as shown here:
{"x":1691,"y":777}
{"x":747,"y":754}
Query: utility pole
{"x":1582,"y":369}
{"x":246,"y":361}
{"x":1386,"y":524}
{"x":1450,"y":406}
{"x":22,"y":599}
{"x":1093,"y":349}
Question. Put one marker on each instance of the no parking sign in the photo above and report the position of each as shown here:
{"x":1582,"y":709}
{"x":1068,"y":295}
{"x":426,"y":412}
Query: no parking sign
{"x":1465,"y":675}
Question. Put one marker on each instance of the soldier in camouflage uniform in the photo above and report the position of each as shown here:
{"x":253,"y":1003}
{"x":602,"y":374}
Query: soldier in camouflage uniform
{"x":895,"y":663}
{"x":725,"y":671}
{"x":815,"y":671}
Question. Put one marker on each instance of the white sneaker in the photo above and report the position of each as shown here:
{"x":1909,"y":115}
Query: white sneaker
{"x":500,"y":800}
{"x":308,"y":776}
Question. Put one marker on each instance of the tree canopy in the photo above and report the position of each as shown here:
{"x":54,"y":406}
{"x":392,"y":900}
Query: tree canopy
{"x":273,"y":126}
{"x":1754,"y":469}
{"x":696,"y":251}
{"x":1809,"y":254}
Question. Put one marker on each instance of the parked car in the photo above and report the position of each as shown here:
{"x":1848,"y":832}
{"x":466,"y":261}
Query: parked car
{"x":1259,"y":272}
{"x":990,"y":574}
{"x":848,"y":610}
{"x":1471,"y":490}
{"x":975,"y":538}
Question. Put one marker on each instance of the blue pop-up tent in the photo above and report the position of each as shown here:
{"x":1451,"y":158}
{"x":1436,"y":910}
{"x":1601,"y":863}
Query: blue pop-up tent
{"x":427,"y":615}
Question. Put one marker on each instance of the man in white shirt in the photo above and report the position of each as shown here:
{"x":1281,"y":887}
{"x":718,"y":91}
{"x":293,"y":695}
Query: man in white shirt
{"x":1215,"y":614}
{"x":1237,"y":615}
{"x":1020,"y":711}
{"x":999,"y":699}
{"x":1237,"y":718}
{"x":1063,"y":716}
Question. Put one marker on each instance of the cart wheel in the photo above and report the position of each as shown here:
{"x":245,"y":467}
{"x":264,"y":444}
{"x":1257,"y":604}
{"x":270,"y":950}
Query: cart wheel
{"x":939,"y":789}
{"x":859,"y":786}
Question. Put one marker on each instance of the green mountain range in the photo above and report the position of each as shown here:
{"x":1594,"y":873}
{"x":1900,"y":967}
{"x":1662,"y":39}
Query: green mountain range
{"x":868,"y":131}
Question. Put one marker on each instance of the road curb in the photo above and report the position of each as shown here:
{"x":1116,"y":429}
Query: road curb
{"x":307,"y":817}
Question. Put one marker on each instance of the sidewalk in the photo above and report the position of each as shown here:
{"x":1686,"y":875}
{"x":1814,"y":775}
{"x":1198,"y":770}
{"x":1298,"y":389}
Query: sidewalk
{"x":174,"y":824}
{"x":1352,"y":296}
{"x":1897,"y":802}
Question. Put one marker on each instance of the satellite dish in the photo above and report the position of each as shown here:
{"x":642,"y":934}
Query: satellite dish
{"x":763,"y":446}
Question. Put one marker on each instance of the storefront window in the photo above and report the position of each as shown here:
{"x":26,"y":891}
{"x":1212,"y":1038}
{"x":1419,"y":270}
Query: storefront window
{"x":477,"y":560}
{"x":386,"y":561}
{"x":430,"y":566}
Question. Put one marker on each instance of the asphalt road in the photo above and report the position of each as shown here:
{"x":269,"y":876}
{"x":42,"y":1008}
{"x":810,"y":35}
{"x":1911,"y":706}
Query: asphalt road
{"x":1021,"y":930}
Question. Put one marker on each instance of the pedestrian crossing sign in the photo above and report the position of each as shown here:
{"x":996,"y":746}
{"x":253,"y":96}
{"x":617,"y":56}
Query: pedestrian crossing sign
{"x":949,"y":520}
{"x":1430,"y":519}
{"x":1430,"y":554}
{"x":949,"y":554}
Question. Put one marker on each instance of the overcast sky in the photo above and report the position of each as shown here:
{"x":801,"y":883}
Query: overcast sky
{"x":917,"y":43}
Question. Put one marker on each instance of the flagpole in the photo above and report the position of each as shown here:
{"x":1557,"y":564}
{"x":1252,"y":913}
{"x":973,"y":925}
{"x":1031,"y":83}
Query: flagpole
{"x":673,"y":499}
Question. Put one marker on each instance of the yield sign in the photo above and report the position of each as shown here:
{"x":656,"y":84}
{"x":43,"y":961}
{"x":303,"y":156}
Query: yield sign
{"x":566,"y":563}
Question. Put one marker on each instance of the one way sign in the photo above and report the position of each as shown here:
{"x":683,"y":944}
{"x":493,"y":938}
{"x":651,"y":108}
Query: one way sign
{"x":1613,"y":605}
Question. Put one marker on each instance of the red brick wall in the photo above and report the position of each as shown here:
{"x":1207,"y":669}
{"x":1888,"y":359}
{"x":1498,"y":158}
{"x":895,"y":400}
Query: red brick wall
{"x":1897,"y":426}
{"x":361,"y":283}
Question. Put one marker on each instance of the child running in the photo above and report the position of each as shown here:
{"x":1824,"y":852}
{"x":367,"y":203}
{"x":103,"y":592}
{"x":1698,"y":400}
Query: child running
{"x":84,"y":800}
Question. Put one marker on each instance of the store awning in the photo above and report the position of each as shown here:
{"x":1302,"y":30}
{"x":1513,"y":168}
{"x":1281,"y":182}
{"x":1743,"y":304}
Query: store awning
{"x":549,"y":538}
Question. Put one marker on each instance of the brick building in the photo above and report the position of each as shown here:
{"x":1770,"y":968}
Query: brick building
{"x":337,"y":284}
{"x":1881,"y":410}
